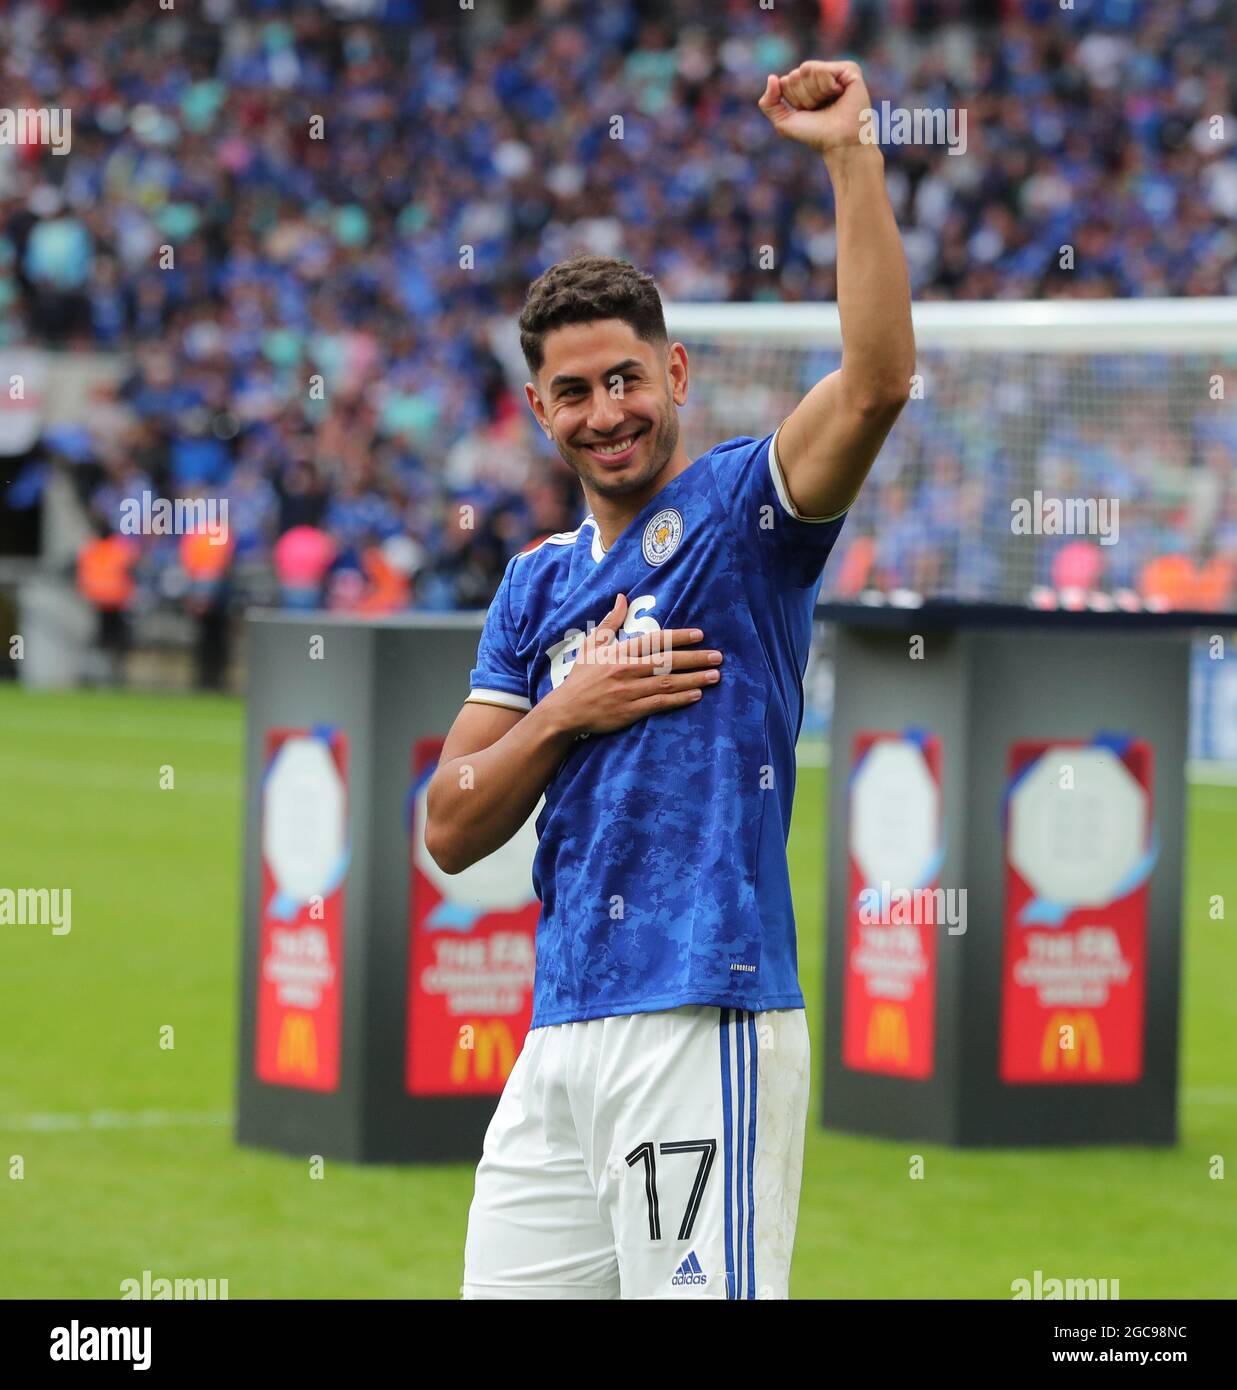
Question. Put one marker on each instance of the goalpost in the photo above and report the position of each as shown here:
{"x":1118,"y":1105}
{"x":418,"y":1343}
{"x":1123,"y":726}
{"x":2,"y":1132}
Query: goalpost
{"x":1053,"y":514}
{"x":1124,"y":408}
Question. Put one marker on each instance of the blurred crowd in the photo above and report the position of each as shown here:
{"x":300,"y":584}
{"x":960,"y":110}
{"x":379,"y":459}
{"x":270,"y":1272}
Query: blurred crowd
{"x":1146,"y":433}
{"x":308,"y":227}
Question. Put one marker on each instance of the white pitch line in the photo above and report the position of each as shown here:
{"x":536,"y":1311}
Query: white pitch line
{"x":1211,"y":774}
{"x":1211,"y":1095}
{"x":103,"y":732}
{"x":56,"y":1122}
{"x":68,"y":1122}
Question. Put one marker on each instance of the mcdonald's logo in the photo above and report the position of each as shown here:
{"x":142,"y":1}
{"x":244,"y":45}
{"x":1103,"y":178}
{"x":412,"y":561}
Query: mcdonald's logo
{"x":889,"y":1034}
{"x":298,"y":1045}
{"x":1080,"y":1046}
{"x":491,"y":1042}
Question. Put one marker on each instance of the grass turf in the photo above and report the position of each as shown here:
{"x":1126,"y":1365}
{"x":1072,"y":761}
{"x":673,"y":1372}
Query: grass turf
{"x":155,"y":880}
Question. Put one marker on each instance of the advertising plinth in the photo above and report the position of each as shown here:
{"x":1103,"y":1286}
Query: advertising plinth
{"x":383,"y":1002}
{"x":1005,"y":849}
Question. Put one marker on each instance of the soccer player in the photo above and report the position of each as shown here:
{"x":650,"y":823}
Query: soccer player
{"x":644,"y":674}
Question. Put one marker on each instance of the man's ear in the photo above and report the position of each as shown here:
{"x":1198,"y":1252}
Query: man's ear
{"x":676,"y":369}
{"x":534,"y":404}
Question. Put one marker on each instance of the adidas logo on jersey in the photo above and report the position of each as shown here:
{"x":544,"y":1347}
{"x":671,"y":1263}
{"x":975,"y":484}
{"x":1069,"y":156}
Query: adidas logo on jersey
{"x":689,"y":1272}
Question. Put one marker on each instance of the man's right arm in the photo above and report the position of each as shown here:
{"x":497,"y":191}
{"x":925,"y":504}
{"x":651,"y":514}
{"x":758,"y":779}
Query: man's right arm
{"x":497,"y":762}
{"x":495,"y":767}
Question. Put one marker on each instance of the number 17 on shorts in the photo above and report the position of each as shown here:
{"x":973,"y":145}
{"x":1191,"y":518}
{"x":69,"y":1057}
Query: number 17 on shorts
{"x":654,"y":1155}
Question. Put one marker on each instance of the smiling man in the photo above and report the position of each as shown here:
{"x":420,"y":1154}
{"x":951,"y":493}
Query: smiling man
{"x":644,"y":674}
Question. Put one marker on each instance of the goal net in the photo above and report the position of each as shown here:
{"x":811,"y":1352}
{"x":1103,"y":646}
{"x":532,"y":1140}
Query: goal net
{"x":1060,"y":453}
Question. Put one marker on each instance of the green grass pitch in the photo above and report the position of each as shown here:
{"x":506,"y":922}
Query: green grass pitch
{"x":155,"y":880}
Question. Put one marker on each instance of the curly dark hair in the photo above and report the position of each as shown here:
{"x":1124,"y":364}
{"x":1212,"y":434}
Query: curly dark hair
{"x":582,"y":289}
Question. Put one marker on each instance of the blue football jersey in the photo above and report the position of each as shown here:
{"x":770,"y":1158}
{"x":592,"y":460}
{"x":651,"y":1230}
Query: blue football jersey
{"x":661,"y":862}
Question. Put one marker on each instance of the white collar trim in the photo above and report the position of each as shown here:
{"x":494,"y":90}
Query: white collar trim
{"x":597,"y":550}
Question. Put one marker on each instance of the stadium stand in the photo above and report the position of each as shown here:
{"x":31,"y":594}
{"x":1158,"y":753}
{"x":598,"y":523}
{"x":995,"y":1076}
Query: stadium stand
{"x":355,"y":205}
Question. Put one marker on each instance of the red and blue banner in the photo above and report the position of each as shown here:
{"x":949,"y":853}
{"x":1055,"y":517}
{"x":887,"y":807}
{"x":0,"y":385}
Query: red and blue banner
{"x":304,"y":832}
{"x":471,"y":957}
{"x":1080,"y":849}
{"x":895,"y":853}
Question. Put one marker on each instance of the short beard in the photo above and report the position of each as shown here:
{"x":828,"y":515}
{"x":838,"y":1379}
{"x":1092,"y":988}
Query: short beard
{"x":665,"y":441}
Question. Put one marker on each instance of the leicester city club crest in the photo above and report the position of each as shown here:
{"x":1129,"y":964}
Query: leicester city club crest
{"x":662,"y":536}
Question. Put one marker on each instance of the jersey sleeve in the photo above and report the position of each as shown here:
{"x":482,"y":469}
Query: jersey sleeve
{"x":770,"y":531}
{"x":499,"y":677}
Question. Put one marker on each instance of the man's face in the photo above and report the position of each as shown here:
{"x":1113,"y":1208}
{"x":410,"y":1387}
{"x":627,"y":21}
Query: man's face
{"x":610,"y":403}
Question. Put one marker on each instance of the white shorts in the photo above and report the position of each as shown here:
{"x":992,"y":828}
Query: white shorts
{"x":654,"y":1155}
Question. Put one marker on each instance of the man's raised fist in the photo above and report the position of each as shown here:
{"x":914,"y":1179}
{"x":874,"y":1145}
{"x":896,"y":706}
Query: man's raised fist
{"x":818,"y":104}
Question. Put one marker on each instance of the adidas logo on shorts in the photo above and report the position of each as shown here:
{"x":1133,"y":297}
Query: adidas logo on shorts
{"x":689,"y":1272}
